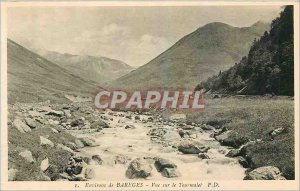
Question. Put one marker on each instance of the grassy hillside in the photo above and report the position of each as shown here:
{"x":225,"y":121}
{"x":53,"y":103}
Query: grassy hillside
{"x":31,"y":78}
{"x":269,"y":66}
{"x":253,"y":119}
{"x":195,"y":57}
{"x":97,"y":69}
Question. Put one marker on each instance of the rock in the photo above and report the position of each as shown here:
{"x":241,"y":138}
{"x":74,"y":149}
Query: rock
{"x":157,"y":132}
{"x":79,"y":144}
{"x":229,"y":138}
{"x":233,"y":153}
{"x":207,"y":127}
{"x":88,"y":142}
{"x":71,"y":145}
{"x":77,"y":158}
{"x":187,"y":127}
{"x":122,"y":159}
{"x":87,"y":160}
{"x":27,"y":155}
{"x":276,"y":132}
{"x":45,"y":178}
{"x":65,"y":148}
{"x":137,"y":117}
{"x":264,"y":173}
{"x":243,"y":162}
{"x":128,"y":116}
{"x":68,"y":113}
{"x":53,"y":122}
{"x":89,"y":173}
{"x":54,"y":130}
{"x":99,"y":125}
{"x":46,"y":142}
{"x":31,"y":123}
{"x":97,"y":159}
{"x":34,"y":114}
{"x":192,"y":147}
{"x":129,"y":127}
{"x":150,"y":119}
{"x":55,"y":113}
{"x":12,"y":174}
{"x":21,"y":126}
{"x":203,"y":156}
{"x":138,"y":168}
{"x":177,"y":116}
{"x":78,"y":169}
{"x":170,"y":173}
{"x":44,"y":164}
{"x":53,"y":172}
{"x":160,"y":164}
{"x":77,"y":122}
{"x":78,"y":178}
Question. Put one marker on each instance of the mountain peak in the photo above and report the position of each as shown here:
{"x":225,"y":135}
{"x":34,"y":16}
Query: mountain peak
{"x":216,"y":25}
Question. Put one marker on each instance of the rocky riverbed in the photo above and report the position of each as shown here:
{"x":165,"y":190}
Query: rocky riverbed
{"x":115,"y":145}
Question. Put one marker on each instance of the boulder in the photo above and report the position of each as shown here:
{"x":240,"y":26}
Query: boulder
{"x":277,"y":132}
{"x":21,"y":126}
{"x":207,"y":127}
{"x":89,"y":173}
{"x":160,"y":164}
{"x":31,"y":123}
{"x":12,"y":174}
{"x":170,"y":173}
{"x":44,"y":164}
{"x":122,"y":159}
{"x":232,"y":139}
{"x":27,"y":155}
{"x":187,"y":127}
{"x":203,"y":156}
{"x":192,"y":147}
{"x":46,"y":142}
{"x":88,"y":142}
{"x":54,"y":130}
{"x":79,"y":144}
{"x":55,"y":113}
{"x":137,"y":117}
{"x":138,"y":168}
{"x":264,"y":173}
{"x":243,"y":162}
{"x":129,"y":127}
{"x":97,"y":159}
{"x":65,"y":148}
{"x":77,"y":122}
{"x":99,"y":125}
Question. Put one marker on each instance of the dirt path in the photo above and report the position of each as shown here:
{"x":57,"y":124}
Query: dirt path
{"x":132,"y":143}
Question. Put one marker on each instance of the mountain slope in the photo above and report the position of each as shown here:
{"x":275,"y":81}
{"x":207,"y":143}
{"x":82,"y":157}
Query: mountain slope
{"x":31,"y":78}
{"x":97,"y":69}
{"x":195,"y":57}
{"x":269,"y":66}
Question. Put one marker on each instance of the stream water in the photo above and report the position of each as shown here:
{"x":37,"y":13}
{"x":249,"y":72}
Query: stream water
{"x":135,"y":142}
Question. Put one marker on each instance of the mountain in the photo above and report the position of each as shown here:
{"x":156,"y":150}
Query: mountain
{"x":195,"y":57}
{"x":269,"y":66}
{"x":32,"y":78}
{"x":97,"y":69}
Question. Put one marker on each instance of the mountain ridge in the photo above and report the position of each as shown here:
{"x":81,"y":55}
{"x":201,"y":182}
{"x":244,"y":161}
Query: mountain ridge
{"x":194,"y":54}
{"x":32,"y":78}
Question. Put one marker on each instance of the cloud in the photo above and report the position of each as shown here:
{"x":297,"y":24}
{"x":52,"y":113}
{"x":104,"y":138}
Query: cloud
{"x":116,"y":41}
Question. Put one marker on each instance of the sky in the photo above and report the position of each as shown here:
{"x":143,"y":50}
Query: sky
{"x":134,"y":35}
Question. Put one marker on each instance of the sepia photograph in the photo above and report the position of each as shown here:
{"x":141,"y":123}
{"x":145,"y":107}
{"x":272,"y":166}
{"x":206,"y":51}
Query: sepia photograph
{"x":149,"y":95}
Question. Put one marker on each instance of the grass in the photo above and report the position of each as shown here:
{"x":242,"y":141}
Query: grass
{"x":253,"y":118}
